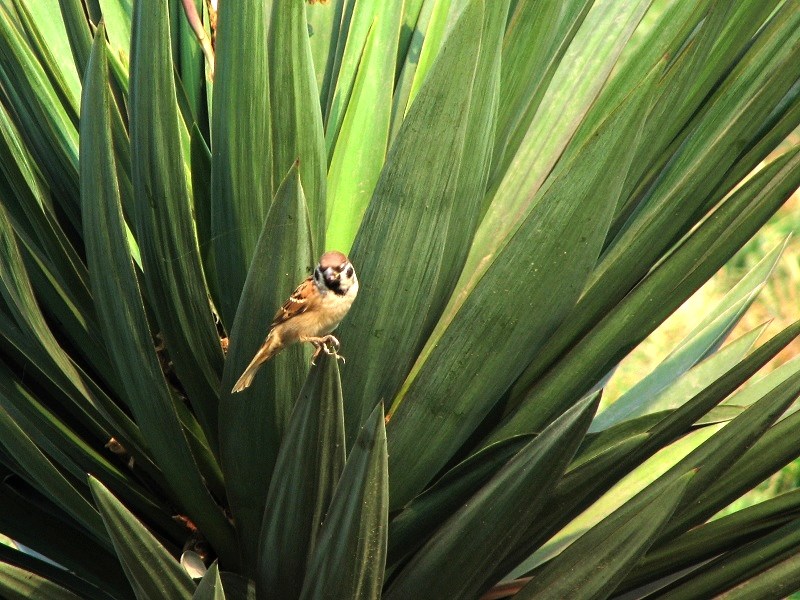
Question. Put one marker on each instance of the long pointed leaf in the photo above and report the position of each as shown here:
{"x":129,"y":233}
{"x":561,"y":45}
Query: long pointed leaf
{"x":152,"y":571}
{"x":309,"y":464}
{"x":252,"y":423}
{"x":296,"y":115}
{"x":448,"y":565}
{"x":241,"y":161}
{"x":352,"y":538}
{"x":123,"y":319}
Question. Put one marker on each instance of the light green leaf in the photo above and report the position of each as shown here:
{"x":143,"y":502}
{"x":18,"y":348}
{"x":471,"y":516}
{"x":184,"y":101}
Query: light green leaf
{"x":241,"y":158}
{"x":359,"y":149}
{"x":151,"y":569}
{"x":679,"y":387}
{"x":309,"y":465}
{"x":352,"y":538}
{"x":252,"y":423}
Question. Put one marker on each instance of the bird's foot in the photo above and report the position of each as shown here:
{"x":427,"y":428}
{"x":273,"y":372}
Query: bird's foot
{"x":327,"y":344}
{"x":330,"y":346}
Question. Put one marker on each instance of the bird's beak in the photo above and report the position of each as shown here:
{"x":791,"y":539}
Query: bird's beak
{"x":331,"y":275}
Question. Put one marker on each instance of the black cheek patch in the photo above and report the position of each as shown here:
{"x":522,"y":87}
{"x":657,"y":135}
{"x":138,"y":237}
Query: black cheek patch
{"x":349,"y":271}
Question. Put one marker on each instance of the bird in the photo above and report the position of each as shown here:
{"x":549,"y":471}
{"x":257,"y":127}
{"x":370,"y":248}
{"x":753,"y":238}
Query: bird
{"x":310,"y":314}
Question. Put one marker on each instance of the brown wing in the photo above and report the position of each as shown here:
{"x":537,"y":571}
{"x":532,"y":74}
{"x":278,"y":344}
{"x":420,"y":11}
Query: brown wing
{"x":297,"y":303}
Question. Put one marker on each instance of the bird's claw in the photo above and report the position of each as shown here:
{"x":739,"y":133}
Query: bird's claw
{"x":330,"y":346}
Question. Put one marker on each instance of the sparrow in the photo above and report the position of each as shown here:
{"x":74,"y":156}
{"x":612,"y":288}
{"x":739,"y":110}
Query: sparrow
{"x":310,"y":314}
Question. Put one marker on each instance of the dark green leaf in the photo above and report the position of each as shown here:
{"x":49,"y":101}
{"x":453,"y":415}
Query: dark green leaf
{"x":309,"y":465}
{"x":173,"y":274}
{"x":593,"y":565}
{"x":413,"y":221}
{"x":349,"y":559}
{"x":123,"y":319}
{"x":411,"y":528}
{"x":449,"y":566}
{"x":252,"y":423}
{"x":241,"y":161}
{"x":19,"y":584}
{"x":513,"y":308}
{"x":151,"y":569}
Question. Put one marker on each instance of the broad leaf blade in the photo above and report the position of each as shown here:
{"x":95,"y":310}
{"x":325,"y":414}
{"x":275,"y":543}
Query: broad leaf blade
{"x":405,"y":235}
{"x":241,"y":161}
{"x":538,"y":286}
{"x":352,"y":539}
{"x":448,"y":566}
{"x":122,"y":315}
{"x":592,"y":566}
{"x":173,"y":274}
{"x":360,"y":146}
{"x":295,"y":111}
{"x":210,"y":586}
{"x":252,"y":423}
{"x":150,"y":568}
{"x":308,"y":467}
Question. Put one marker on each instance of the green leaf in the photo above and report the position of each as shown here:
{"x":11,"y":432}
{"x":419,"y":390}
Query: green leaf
{"x":18,"y":584}
{"x":42,"y":474}
{"x":241,"y":159}
{"x":661,"y":292}
{"x":699,"y":344}
{"x":619,"y":450}
{"x":25,"y":560}
{"x":414,"y":213}
{"x":39,"y":524}
{"x":455,"y":355}
{"x":359,"y":150}
{"x":117,"y":19}
{"x":595,"y":49}
{"x":679,"y":387}
{"x":309,"y":465}
{"x":593,"y":565}
{"x":49,"y":126}
{"x":448,"y":565}
{"x":295,"y":111}
{"x":352,"y":539}
{"x":122,"y":315}
{"x":755,"y":560}
{"x":411,"y":528}
{"x":324,"y":30}
{"x":537,"y":37}
{"x":173,"y":274}
{"x":151,"y":569}
{"x":252,"y":423}
{"x":713,"y":539}
{"x":210,"y":586}
{"x":772,"y":451}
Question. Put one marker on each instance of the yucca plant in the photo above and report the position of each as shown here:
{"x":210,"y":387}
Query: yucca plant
{"x":527,"y":189}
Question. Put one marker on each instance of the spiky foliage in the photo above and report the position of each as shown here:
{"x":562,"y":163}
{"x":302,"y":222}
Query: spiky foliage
{"x":527,"y":190}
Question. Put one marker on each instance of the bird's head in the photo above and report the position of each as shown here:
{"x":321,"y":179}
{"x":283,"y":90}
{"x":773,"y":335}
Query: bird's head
{"x":335,"y":273}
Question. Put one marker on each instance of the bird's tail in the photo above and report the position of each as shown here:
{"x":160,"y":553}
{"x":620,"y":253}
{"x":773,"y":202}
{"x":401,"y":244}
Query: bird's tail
{"x":269,"y":349}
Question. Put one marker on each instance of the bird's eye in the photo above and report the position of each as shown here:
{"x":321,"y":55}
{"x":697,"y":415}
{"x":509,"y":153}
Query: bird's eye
{"x":349,"y":271}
